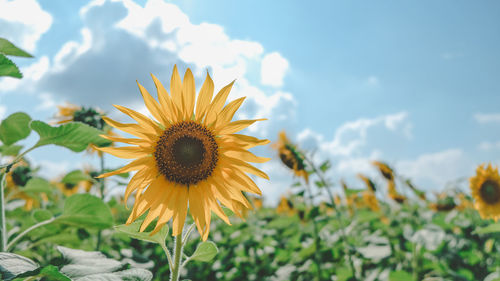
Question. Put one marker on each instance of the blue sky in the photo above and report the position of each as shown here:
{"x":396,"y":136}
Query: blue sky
{"x":411,"y":83}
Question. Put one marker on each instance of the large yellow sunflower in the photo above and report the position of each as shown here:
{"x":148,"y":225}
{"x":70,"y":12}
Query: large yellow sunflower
{"x":485,"y":189}
{"x":190,"y":153}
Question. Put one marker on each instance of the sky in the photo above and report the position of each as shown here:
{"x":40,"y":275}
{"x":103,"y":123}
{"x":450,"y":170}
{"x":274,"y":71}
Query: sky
{"x":411,"y":83}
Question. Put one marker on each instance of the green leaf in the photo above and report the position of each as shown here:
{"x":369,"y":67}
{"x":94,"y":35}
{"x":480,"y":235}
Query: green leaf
{"x":36,"y":186}
{"x":343,"y":274}
{"x":325,"y":166}
{"x":132,"y":230}
{"x":9,"y":68}
{"x":9,"y":49}
{"x":400,"y":275}
{"x":14,"y":128}
{"x":42,"y":215}
{"x":10,"y":150}
{"x":205,"y":252}
{"x":75,"y":177}
{"x":50,"y":273}
{"x":75,"y":136}
{"x":87,"y":266}
{"x":85,"y":210}
{"x":351,"y":191}
{"x":12,"y":265}
{"x":492,"y":228}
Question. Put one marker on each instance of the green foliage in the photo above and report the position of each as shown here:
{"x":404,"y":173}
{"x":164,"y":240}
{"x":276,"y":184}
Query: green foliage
{"x":75,"y":177}
{"x":9,"y":68}
{"x":74,"y":136}
{"x":85,"y":210}
{"x":492,"y":228}
{"x":132,"y":230}
{"x":9,"y":49}
{"x":205,"y":252}
{"x":10,"y":150}
{"x":400,"y":275}
{"x":14,"y":128}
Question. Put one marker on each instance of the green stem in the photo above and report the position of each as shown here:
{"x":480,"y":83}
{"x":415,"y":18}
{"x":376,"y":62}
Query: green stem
{"x":174,"y":276}
{"x":35,"y":226}
{"x":101,"y":188}
{"x":167,"y":252}
{"x":3,"y":236}
{"x":347,"y":246}
{"x":316,"y":234}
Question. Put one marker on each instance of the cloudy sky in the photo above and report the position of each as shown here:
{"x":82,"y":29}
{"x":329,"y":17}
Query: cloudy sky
{"x":412,"y":83}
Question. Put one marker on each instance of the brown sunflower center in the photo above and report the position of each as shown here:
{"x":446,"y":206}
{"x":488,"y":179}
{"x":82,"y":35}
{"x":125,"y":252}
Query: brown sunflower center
{"x":186,"y":153}
{"x":490,"y":192}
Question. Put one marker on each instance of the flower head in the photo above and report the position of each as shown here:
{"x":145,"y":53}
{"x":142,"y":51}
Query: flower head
{"x":189,"y":156}
{"x":384,"y":169}
{"x":291,"y":156}
{"x":485,"y":189}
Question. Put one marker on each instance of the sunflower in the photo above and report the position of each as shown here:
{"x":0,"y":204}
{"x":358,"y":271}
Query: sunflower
{"x":285,"y":206}
{"x":16,"y":179}
{"x":371,"y":200}
{"x":485,"y":189}
{"x":368,"y":182}
{"x":384,"y":169}
{"x":291,"y":156}
{"x":87,"y":115}
{"x":186,"y":155}
{"x":393,"y":193}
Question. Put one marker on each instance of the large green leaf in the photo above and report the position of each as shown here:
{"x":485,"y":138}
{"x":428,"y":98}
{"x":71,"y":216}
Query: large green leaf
{"x":74,"y":136}
{"x":37,"y":185}
{"x":87,"y":266}
{"x":12,"y":265}
{"x":14,"y":128}
{"x":9,"y":49}
{"x":205,"y":252}
{"x":400,"y":275}
{"x":75,"y":177}
{"x":9,"y":68}
{"x":85,"y":210}
{"x":10,"y":150}
{"x":132,"y":230}
{"x":49,"y":272}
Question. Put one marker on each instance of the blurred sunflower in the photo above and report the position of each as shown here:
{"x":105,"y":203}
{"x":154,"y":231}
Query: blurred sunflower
{"x":187,"y":155}
{"x":393,"y":193}
{"x":371,"y":200}
{"x":465,"y":202}
{"x":445,"y":203}
{"x":384,"y":169}
{"x":291,"y":156}
{"x":368,"y":182}
{"x":285,"y":206}
{"x":485,"y":189}
{"x":87,"y":115}
{"x":418,"y":192}
{"x":16,"y":179}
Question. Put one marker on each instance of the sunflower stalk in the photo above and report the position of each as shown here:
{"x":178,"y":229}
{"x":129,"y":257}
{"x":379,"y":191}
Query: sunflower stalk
{"x":101,"y":188}
{"x":317,"y":253}
{"x":346,"y":243}
{"x":174,"y":272}
{"x":3,"y":235}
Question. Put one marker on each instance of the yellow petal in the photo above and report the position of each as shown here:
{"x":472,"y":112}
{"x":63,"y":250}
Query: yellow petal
{"x":204,"y":98}
{"x":176,"y":89}
{"x":236,"y":126}
{"x":164,"y":99}
{"x":180,"y":211}
{"x":196,"y":208}
{"x":143,"y":203}
{"x":188,"y":93}
{"x":152,"y":105}
{"x":244,"y":166}
{"x":242,"y":154}
{"x":241,"y":180}
{"x":217,"y":104}
{"x":132,"y":129}
{"x":139,"y":142}
{"x":140,"y":180}
{"x":244,"y":141}
{"x":157,"y":205}
{"x":228,"y":112}
{"x":132,"y":166}
{"x":127,"y":152}
{"x":143,"y":120}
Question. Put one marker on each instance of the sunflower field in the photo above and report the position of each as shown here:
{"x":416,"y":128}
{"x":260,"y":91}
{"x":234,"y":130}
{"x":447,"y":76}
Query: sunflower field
{"x":191,"y":209}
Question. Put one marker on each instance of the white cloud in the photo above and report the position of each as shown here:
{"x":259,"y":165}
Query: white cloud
{"x":273,"y":69}
{"x":433,"y":170}
{"x":23,"y":22}
{"x":487,"y":117}
{"x":31,"y":74}
{"x":3,"y":110}
{"x":352,"y":135}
